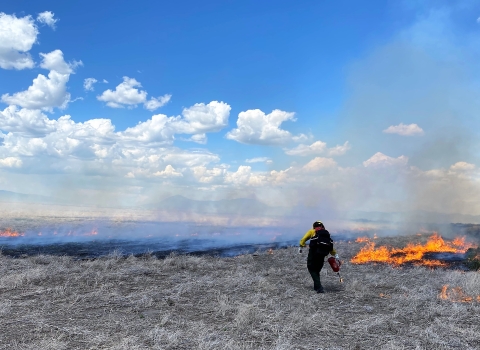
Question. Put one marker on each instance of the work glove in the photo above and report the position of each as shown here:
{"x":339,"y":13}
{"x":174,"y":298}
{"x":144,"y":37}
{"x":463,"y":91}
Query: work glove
{"x":337,"y":257}
{"x":300,"y":250}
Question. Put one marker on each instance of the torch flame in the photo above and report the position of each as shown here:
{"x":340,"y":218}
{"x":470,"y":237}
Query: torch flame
{"x":412,"y":252}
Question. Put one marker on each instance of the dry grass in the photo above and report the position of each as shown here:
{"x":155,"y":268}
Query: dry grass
{"x":247,"y":302}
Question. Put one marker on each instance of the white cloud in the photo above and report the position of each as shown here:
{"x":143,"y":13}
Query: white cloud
{"x":168,"y":172}
{"x":94,"y":143}
{"x":128,"y":94}
{"x":26,"y":121}
{"x":318,"y":147}
{"x":17,"y":36}
{"x":10,"y":162}
{"x":47,"y":18}
{"x":478,"y":20}
{"x":204,"y":175}
{"x":381,"y":160}
{"x":258,"y":160}
{"x":256,"y":127}
{"x":241,"y":176}
{"x":88,"y":84}
{"x":197,"y":120}
{"x":201,"y":118}
{"x":125,"y":94}
{"x":339,"y":150}
{"x":155,"y":103}
{"x":462,"y":166}
{"x":319,"y":163}
{"x":198,"y":138}
{"x":54,"y":61}
{"x":46,"y":93}
{"x":404,"y":130}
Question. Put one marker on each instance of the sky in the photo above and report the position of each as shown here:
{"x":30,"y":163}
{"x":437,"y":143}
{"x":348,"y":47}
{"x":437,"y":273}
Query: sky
{"x":338,"y":106}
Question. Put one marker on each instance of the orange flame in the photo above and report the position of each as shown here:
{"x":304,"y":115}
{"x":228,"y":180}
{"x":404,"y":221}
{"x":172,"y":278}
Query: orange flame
{"x":10,"y":233}
{"x":94,"y":232}
{"x":411,"y":253}
{"x":456,"y":295}
{"x":362,"y":239}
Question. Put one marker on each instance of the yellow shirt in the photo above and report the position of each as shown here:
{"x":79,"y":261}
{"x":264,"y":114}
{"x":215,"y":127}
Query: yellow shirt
{"x":310,"y":234}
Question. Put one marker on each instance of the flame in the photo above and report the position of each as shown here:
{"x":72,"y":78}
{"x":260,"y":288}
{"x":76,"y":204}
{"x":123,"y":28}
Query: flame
{"x":10,"y":233}
{"x":270,"y":251}
{"x":456,"y":295}
{"x":412,"y":252}
{"x":94,"y":232}
{"x":362,"y":239}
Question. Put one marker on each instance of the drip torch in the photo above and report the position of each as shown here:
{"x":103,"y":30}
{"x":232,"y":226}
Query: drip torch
{"x":335,"y":265}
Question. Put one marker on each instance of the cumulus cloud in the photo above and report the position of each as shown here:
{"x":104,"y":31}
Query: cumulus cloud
{"x":256,"y":127}
{"x":139,"y":152}
{"x":198,"y":138}
{"x":17,"y":36}
{"x":318,"y":147}
{"x":195,"y":120}
{"x":204,"y":175}
{"x":155,"y":103}
{"x":47,"y":18}
{"x":26,"y":122}
{"x":381,"y":160}
{"x":88,"y":84}
{"x":168,"y":172}
{"x":319,"y":163}
{"x":404,"y":130}
{"x":339,"y":150}
{"x":127,"y":94}
{"x":10,"y":162}
{"x":259,"y":160}
{"x":46,"y":92}
{"x":241,"y":176}
{"x":201,"y":118}
{"x":462,"y":166}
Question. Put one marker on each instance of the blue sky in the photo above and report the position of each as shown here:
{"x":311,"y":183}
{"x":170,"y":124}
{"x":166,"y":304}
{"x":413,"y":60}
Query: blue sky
{"x":373,"y":101}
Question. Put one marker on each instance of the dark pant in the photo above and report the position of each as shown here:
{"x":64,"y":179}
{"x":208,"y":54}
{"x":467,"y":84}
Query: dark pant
{"x":314,"y":265}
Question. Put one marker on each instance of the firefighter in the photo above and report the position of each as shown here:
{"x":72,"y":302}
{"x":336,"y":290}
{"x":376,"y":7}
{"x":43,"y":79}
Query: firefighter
{"x":321,"y":244}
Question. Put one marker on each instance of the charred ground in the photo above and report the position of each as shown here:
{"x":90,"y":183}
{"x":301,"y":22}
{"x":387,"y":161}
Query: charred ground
{"x":252,"y":301}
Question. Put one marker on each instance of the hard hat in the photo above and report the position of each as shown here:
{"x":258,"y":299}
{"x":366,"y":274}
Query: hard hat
{"x":318,"y":224}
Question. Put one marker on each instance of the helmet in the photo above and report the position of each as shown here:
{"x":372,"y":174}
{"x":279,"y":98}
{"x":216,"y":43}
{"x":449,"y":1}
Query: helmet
{"x":318,"y":224}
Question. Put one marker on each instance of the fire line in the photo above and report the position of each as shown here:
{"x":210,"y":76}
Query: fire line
{"x":412,"y":253}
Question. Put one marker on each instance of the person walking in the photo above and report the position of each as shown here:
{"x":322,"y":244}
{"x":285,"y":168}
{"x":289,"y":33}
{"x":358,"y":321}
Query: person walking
{"x":321,"y":244}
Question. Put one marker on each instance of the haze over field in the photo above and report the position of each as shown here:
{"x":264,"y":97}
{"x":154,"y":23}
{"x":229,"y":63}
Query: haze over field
{"x":302,"y":108}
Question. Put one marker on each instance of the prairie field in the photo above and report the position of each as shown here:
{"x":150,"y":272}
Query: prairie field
{"x":253,"y":301}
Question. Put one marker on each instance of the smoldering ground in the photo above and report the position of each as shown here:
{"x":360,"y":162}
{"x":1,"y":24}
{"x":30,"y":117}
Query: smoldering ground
{"x":261,"y":301}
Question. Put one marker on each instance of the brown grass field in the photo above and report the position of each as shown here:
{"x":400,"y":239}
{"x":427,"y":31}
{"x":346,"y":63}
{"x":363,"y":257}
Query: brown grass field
{"x":254,"y":301}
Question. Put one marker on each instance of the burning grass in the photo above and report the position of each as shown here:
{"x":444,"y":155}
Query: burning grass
{"x":10,"y":233}
{"x":262,"y":301}
{"x":412,"y":253}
